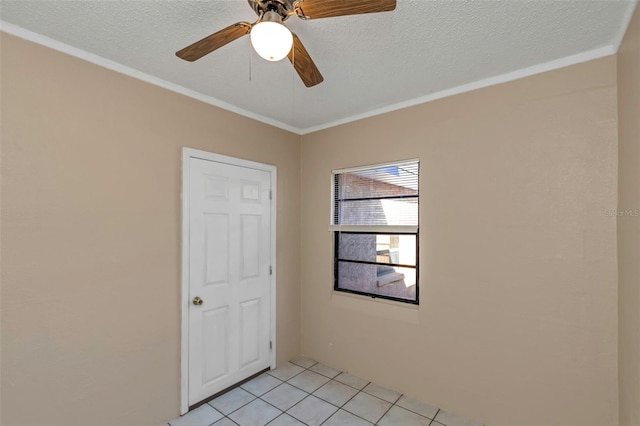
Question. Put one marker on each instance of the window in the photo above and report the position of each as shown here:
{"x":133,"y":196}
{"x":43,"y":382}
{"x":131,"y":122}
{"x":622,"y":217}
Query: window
{"x":375,"y":222}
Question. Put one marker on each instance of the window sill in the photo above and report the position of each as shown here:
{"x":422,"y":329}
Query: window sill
{"x":365,"y":298}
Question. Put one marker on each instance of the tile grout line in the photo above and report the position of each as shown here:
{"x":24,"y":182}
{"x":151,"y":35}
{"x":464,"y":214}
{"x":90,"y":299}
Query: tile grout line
{"x":415,"y":412}
{"x":384,"y":414}
{"x":266,"y":402}
{"x":404,"y":408}
{"x":356,"y":394}
{"x":299,"y":388}
{"x":341,"y":407}
{"x":242,"y":406}
{"x":286,"y":411}
{"x":434,"y":417}
{"x":393,"y":404}
{"x":282,"y":414}
{"x":231,"y":420}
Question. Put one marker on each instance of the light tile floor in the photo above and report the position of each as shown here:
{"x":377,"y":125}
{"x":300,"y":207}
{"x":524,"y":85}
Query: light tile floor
{"x":304,"y":392}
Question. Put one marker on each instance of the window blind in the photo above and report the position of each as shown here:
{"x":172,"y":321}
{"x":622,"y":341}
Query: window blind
{"x":378,"y":196}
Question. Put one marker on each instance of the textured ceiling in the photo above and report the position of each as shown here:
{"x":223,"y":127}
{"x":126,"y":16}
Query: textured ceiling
{"x":371,"y":63}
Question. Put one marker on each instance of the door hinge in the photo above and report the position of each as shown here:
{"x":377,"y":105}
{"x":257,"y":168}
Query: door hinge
{"x":270,"y":270}
{"x":270,"y":194}
{"x":270,"y":345}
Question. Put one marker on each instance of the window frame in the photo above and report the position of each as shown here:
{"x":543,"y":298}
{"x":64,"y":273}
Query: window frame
{"x":337,"y":229}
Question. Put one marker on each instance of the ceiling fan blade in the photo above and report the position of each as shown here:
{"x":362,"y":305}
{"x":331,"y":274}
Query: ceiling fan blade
{"x":303,"y":64}
{"x":215,"y":41}
{"x":313,"y":9}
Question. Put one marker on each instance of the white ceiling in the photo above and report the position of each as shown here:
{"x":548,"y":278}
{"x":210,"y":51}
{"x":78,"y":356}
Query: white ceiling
{"x":371,"y":63}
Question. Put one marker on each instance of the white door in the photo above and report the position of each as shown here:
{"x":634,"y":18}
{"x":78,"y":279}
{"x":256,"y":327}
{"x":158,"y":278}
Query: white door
{"x":229,"y":275}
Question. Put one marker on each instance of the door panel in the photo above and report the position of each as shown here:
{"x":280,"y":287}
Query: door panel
{"x":217,"y":248}
{"x":229,"y":270}
{"x":249,"y":326}
{"x":215,"y":323}
{"x":250,"y":250}
{"x":216,"y":187}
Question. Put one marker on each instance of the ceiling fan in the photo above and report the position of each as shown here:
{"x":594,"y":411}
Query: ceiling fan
{"x":273,"y":41}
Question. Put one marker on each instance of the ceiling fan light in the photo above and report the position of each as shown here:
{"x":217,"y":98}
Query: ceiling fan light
{"x":271,"y":40}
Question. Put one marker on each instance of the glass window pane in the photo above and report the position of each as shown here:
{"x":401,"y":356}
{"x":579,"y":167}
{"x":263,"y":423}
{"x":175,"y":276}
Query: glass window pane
{"x":381,"y":248}
{"x":387,"y":181}
{"x":399,"y":283}
{"x":378,"y":212}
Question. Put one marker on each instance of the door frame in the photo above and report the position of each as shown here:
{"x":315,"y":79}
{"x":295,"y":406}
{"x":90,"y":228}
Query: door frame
{"x":187,"y":154}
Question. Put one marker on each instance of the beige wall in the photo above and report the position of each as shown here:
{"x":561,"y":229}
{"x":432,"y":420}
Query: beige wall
{"x":517,"y":322}
{"x":519,"y":298}
{"x":629,"y":222}
{"x":91,"y":181}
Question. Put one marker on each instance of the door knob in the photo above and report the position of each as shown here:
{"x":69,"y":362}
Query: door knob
{"x":197,"y":301}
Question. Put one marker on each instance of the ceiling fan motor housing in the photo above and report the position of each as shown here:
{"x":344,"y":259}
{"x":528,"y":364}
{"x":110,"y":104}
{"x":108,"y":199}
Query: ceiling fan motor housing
{"x":284,"y":8}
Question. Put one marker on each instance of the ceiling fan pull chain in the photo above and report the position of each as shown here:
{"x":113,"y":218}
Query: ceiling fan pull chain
{"x":293,"y":79}
{"x":249,"y":60}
